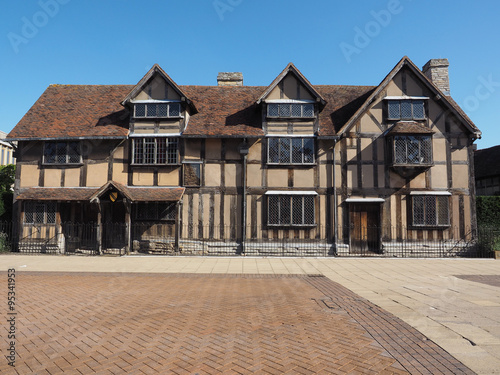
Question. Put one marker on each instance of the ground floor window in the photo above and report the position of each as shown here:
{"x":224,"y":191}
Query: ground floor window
{"x":39,"y":212}
{"x":430,"y":210}
{"x":156,"y":211}
{"x":291,"y":210}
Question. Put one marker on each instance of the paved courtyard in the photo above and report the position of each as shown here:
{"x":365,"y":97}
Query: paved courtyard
{"x":246,"y":315}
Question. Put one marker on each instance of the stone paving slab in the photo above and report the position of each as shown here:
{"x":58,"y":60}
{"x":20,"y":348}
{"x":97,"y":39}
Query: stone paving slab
{"x":114,"y":323}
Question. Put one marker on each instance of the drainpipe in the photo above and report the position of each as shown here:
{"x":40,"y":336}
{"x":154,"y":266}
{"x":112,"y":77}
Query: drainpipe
{"x":243,"y":148}
{"x":335,"y":208}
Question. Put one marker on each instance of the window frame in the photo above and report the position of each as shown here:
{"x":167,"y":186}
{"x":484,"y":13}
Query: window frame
{"x":302,"y":105}
{"x":56,"y":146}
{"x":157,"y":105}
{"x":200,"y":177}
{"x":159,"y":207}
{"x":430,"y":201}
{"x":412,"y":101}
{"x":156,"y":155}
{"x":423,"y":139}
{"x":290,"y":198}
{"x":30,"y":207}
{"x":291,"y":146}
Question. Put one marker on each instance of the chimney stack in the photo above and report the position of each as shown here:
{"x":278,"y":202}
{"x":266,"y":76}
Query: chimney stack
{"x":437,"y":72}
{"x":230,"y":79}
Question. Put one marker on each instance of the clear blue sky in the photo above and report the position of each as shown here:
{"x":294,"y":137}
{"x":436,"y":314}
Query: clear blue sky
{"x":117,"y":41}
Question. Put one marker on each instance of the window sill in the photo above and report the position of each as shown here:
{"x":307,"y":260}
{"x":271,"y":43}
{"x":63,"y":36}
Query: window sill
{"x":159,"y":118}
{"x":429,"y":227}
{"x":292,"y":226}
{"x":155,"y":165}
{"x":288,"y":165}
{"x":62,"y":164}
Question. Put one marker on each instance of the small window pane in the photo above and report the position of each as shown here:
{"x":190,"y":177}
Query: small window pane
{"x":138,"y":151}
{"x":297,"y":210}
{"x":418,"y":109}
{"x":172,"y":150}
{"x":61,"y":152}
{"x":418,"y":210}
{"x":284,"y":150}
{"x":284,"y":110}
{"x":73,"y":152}
{"x":273,"y":110}
{"x":393,"y":109}
{"x":297,"y":150}
{"x":443,"y":210}
{"x":151,"y":110}
{"x":140,"y":110}
{"x":50,"y":152}
{"x":273,"y":210}
{"x":149,"y":150}
{"x":51,"y":213}
{"x":39,"y":213}
{"x":167,"y":211}
{"x":296,"y":110}
{"x":308,"y":110}
{"x":161,"y":150}
{"x":285,"y":210}
{"x":273,"y":147}
{"x":162,"y":110}
{"x":29,"y":212}
{"x":308,"y":150}
{"x":174,"y":110}
{"x":406,"y":110}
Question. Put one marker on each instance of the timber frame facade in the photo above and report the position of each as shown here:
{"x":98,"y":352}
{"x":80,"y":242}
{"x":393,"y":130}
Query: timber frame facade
{"x":160,"y":166}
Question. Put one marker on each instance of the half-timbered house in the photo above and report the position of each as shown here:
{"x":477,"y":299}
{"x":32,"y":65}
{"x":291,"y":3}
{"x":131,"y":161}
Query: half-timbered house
{"x":291,"y":168}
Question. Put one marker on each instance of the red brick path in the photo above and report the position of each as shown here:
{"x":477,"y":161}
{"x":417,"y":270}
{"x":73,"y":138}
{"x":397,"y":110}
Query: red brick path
{"x":202,"y":324}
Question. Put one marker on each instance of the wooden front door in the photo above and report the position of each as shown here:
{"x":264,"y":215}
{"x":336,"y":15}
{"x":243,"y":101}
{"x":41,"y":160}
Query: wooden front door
{"x":364,"y":228}
{"x":113,"y":225}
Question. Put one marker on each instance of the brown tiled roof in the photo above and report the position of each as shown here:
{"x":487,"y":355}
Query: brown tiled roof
{"x":59,"y":194}
{"x":409,"y":127}
{"x":72,"y":111}
{"x":487,"y":162}
{"x":142,"y":193}
{"x":224,"y":110}
{"x":342,"y":103}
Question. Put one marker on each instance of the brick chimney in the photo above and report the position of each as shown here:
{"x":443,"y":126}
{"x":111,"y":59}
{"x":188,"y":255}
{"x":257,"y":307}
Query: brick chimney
{"x":437,"y":71}
{"x":230,"y":79}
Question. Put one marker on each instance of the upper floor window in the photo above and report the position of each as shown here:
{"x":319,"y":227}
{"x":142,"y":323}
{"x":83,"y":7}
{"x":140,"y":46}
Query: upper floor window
{"x":290,"y":210}
{"x":412,"y":150}
{"x":39,"y":212}
{"x":287,"y":110}
{"x":430,"y":210}
{"x":406,"y":109}
{"x":62,"y":153}
{"x":152,"y":150}
{"x":156,"y":110}
{"x":288,"y":150}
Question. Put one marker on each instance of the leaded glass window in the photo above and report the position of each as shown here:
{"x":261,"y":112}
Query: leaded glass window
{"x":290,"y":150}
{"x":155,"y":211}
{"x":151,"y":150}
{"x":413,"y":149}
{"x":430,"y":210}
{"x":296,"y":110}
{"x":155,"y":110}
{"x":408,"y":109}
{"x":291,"y":210}
{"x":62,"y":153}
{"x":39,"y":212}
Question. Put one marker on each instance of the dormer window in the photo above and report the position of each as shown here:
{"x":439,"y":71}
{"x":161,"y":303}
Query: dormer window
{"x":406,"y":109}
{"x":157,"y":109}
{"x":290,"y":110}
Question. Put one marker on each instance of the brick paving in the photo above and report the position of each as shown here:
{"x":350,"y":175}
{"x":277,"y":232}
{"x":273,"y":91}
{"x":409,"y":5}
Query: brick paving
{"x":114,"y":323}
